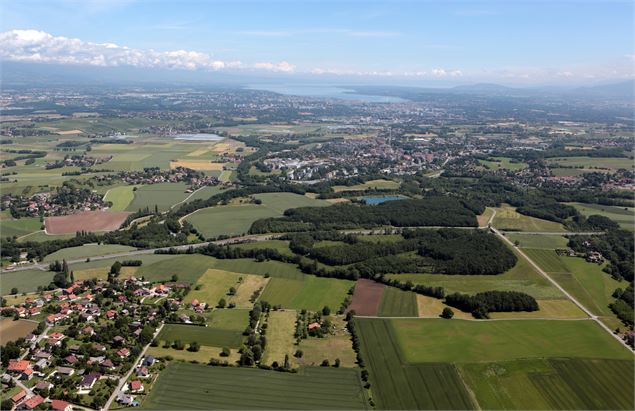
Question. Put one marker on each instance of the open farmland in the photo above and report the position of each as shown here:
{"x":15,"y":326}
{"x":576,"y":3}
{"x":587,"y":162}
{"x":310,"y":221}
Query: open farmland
{"x":538,"y":241}
{"x":120,"y":197}
{"x":87,"y":221}
{"x":366,"y":297}
{"x":552,"y":384}
{"x":190,"y":386}
{"x":11,"y":330}
{"x":611,"y":163}
{"x":280,"y":339}
{"x":624,"y":216}
{"x":25,"y":281}
{"x":369,"y":185}
{"x":310,"y":292}
{"x":229,"y":319}
{"x":428,"y":340}
{"x":187,"y":268}
{"x":398,"y":303}
{"x":213,"y":285}
{"x":400,"y":385}
{"x":275,"y":269}
{"x":503,"y":163}
{"x":213,"y":337}
{"x":162,"y":195}
{"x":87,"y":250}
{"x":23,"y":226}
{"x":507,"y":218}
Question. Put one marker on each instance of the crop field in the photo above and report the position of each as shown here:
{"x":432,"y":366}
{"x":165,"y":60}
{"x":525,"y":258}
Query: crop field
{"x":25,"y":281}
{"x":508,"y":219}
{"x":200,"y":165}
{"x":311,"y":293}
{"x":188,"y":268}
{"x":541,"y":241}
{"x":11,"y":330}
{"x":87,"y":250}
{"x":163,"y":195}
{"x":369,"y":185}
{"x":93,"y":221}
{"x":229,"y":319}
{"x":237,"y":219}
{"x":624,"y":216}
{"x":399,"y":385}
{"x":102,"y":273}
{"x":366,"y":297}
{"x":19,"y":227}
{"x":398,"y":303}
{"x":280,"y":339}
{"x":612,"y":163}
{"x":203,"y":355}
{"x":120,"y":197}
{"x":213,"y":285}
{"x":522,"y":277}
{"x":204,"y":193}
{"x":213,"y":337}
{"x":503,"y":163}
{"x":425,"y":340}
{"x":193,"y":386}
{"x":548,"y":260}
{"x":276,"y":269}
{"x":39,"y":236}
{"x":552,"y":384}
{"x":282,"y":246}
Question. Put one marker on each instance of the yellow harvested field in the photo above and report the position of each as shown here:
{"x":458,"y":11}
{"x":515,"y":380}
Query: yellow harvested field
{"x":199,"y":152}
{"x":338,"y":200}
{"x":102,"y":273}
{"x":203,"y":355}
{"x":430,"y":307}
{"x":246,"y":289}
{"x":65,"y":132}
{"x":197,"y":165}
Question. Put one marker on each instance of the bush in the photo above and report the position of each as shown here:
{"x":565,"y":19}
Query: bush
{"x":447,"y":313}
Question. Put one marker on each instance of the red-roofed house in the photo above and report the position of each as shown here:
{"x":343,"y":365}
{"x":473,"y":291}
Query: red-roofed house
{"x":31,"y":403}
{"x":123,"y":353}
{"x":18,"y":397}
{"x":59,"y":405}
{"x":135,"y":386}
{"x":315,"y":325}
{"x":18,"y":366}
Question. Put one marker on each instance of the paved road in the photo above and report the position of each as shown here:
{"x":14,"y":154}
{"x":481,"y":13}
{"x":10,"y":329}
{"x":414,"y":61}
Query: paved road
{"x":122,"y":380}
{"x":565,"y":292}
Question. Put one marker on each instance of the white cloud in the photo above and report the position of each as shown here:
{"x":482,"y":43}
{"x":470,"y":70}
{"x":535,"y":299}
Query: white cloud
{"x":41,"y":47}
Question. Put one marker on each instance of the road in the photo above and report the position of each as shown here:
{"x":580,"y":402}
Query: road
{"x":122,"y":380}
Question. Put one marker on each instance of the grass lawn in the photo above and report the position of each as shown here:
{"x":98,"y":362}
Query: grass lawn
{"x":551,"y":384}
{"x":503,"y":162}
{"x":540,"y":241}
{"x":624,"y":216}
{"x":508,"y":219}
{"x":280,"y":339}
{"x":20,"y":227}
{"x":213,"y":337}
{"x":88,"y":250}
{"x":398,"y":303}
{"x":192,"y":386}
{"x":120,"y":197}
{"x":237,"y":219}
{"x":188,"y":268}
{"x":434,"y":340}
{"x":214,"y":285}
{"x":372,"y":184}
{"x":522,"y":277}
{"x":163,"y":195}
{"x":311,"y":293}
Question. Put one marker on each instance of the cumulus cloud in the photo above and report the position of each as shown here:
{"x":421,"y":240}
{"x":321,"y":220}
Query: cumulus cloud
{"x":40,"y":47}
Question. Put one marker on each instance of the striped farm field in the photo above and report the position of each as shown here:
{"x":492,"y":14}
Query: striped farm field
{"x":402,"y":386}
{"x":548,"y":260}
{"x":310,"y":292}
{"x":398,"y":303}
{"x":193,"y":386}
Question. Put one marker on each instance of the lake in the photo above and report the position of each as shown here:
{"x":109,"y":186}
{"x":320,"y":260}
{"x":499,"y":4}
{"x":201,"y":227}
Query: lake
{"x":374,"y":200}
{"x":317,"y":90}
{"x":199,"y":137}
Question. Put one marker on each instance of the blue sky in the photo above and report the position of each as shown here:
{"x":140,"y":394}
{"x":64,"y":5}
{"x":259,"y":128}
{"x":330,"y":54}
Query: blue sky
{"x":533,"y":42}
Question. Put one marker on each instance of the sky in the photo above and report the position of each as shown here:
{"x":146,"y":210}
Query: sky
{"x":506,"y":42}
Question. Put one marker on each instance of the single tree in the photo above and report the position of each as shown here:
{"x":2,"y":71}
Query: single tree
{"x":447,"y":313}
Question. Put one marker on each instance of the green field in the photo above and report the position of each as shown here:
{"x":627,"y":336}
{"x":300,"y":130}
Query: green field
{"x":191,"y":386}
{"x":40,"y":236}
{"x":213,"y":337}
{"x":163,"y":195}
{"x":398,"y":303}
{"x":213,"y":285}
{"x":275,"y":269}
{"x":552,"y":384}
{"x":19,"y":227}
{"x":310,"y":292}
{"x":613,"y":163}
{"x":234,"y":319}
{"x":434,"y":340}
{"x":88,"y":250}
{"x":121,"y":197}
{"x":399,"y":385}
{"x":503,"y":163}
{"x":188,"y":268}
{"x":372,"y":184}
{"x":624,"y":216}
{"x":508,"y":219}
{"x":237,"y":219}
{"x":25,"y":281}
{"x":544,"y":241}
{"x":282,"y":246}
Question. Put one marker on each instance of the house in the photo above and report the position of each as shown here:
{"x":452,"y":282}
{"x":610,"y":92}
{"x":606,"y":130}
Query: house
{"x":119,"y":340}
{"x":55,"y":339}
{"x":26,"y":374}
{"x":135,"y":386}
{"x":99,"y":347}
{"x":123,"y":353}
{"x":18,"y":397}
{"x":42,"y":364}
{"x":65,"y":371}
{"x":108,"y":364}
{"x":126,"y":400}
{"x":59,"y":405}
{"x":149,"y":360}
{"x":143,"y":372}
{"x":31,"y":403}
{"x":314,"y":325}
{"x":30,"y":338}
{"x":43,"y":385}
{"x":17,"y":367}
{"x":89,"y":381}
{"x":71,"y":360}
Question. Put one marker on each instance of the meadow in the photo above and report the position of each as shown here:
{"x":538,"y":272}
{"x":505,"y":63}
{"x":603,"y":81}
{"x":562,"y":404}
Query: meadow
{"x":398,"y":303}
{"x":25,"y":281}
{"x":310,"y":292}
{"x":551,"y":384}
{"x":624,"y":216}
{"x":282,"y":246}
{"x":508,"y":219}
{"x":280,"y":339}
{"x":120,"y":196}
{"x":162,"y":195}
{"x":540,"y":241}
{"x":399,"y":385}
{"x":188,"y":268}
{"x":233,"y":320}
{"x":193,"y":386}
{"x":87,"y":250}
{"x":612,"y":163}
{"x":439,"y":340}
{"x":503,"y":163}
{"x":19,"y":227}
{"x":213,"y":337}
{"x":369,"y":185}
{"x":213,"y":285}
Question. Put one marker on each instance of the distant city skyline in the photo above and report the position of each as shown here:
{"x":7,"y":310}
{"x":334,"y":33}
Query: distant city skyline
{"x":505,"y":42}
